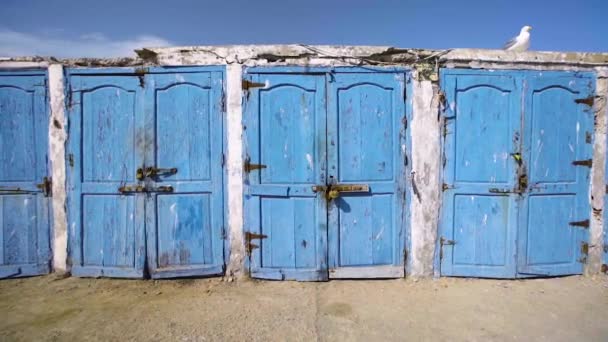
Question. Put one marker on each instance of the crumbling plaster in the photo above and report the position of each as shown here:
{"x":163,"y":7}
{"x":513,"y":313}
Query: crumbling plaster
{"x":425,"y":176}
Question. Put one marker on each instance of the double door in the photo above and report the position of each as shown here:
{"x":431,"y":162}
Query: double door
{"x":517,"y":158}
{"x":145,"y":172}
{"x":325,"y":174}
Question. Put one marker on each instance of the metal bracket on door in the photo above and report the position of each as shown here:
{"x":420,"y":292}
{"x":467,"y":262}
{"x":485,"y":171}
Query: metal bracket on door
{"x":251,"y":236}
{"x":46,"y":186}
{"x":248,"y":167}
{"x":585,"y":162}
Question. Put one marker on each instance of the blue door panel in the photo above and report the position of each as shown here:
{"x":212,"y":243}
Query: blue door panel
{"x":121,"y":125}
{"x":285,"y":219}
{"x":366,"y":140}
{"x":105,"y":132}
{"x":184,"y":120}
{"x":557,"y":133}
{"x":509,"y":202}
{"x":24,"y":209}
{"x":478,"y":222}
{"x":356,"y":137}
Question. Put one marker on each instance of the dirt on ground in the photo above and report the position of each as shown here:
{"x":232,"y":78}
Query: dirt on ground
{"x":52,"y":308}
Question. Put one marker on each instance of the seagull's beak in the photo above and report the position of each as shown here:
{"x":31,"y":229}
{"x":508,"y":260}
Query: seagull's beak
{"x":529,"y":28}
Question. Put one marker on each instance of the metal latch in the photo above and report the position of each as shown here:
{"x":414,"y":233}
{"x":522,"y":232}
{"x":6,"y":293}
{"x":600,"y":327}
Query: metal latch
{"x":140,"y":188}
{"x":251,"y":236}
{"x":247,"y":84}
{"x":583,"y":223}
{"x":131,"y":188}
{"x":585,"y":162}
{"x":164,"y":188}
{"x":500,"y":191}
{"x":333,"y":190}
{"x":153,"y":172}
{"x":248,"y":167}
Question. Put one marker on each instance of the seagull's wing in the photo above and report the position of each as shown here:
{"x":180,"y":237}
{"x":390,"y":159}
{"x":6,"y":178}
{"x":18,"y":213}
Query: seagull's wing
{"x":510,"y":43}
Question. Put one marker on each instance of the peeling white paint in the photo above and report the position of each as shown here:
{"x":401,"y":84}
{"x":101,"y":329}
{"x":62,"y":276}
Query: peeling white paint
{"x":57,"y":139}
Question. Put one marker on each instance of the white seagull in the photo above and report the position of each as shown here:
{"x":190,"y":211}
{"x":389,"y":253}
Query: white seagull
{"x":521,"y":42}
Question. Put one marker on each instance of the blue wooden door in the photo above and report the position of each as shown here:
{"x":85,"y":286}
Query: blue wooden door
{"x":285,"y":220}
{"x":184,"y":206}
{"x":482,"y":132}
{"x":366,"y":147}
{"x":24,"y":206}
{"x":555,"y":213}
{"x":106,"y":146}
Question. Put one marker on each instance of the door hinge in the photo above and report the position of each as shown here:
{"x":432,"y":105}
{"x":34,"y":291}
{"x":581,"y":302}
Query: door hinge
{"x":446,"y":186}
{"x":583,"y":223}
{"x":585,"y":162}
{"x":248,"y":167}
{"x":223,"y":160}
{"x":247,"y":84}
{"x":223,"y":104}
{"x":46,"y":186}
{"x":251,"y":236}
{"x":584,"y":252}
{"x":444,"y":242}
{"x":604,"y":268}
{"x":586,"y":101}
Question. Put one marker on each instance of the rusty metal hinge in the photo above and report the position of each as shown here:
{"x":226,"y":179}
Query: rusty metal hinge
{"x":604,"y":268}
{"x":444,"y":242}
{"x":583,"y":223}
{"x":223,"y":103}
{"x":586,"y":101}
{"x":248,"y":167}
{"x":584,"y":248}
{"x":247,"y":84}
{"x":251,"y":236}
{"x":584,"y":162}
{"x":446,"y":186}
{"x":46,"y":186}
{"x":584,"y":252}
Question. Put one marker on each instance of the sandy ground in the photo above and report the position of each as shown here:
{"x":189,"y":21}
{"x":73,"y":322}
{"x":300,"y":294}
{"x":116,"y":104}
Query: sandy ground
{"x":54,"y":309}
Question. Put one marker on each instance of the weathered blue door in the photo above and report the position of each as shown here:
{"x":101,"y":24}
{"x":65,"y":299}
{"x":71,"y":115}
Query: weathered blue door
{"x":145,"y":173}
{"x":517,"y":159}
{"x":366,"y":147}
{"x":285,"y":220}
{"x":325,"y":182}
{"x":557,"y":152}
{"x":184,"y":207}
{"x":482,"y":132}
{"x":24,"y":205}
{"x":106,"y":145}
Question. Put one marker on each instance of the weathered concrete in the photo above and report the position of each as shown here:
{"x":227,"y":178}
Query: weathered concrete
{"x":234,"y":147}
{"x":425,"y":201}
{"x":597,"y":183}
{"x":57,"y":138}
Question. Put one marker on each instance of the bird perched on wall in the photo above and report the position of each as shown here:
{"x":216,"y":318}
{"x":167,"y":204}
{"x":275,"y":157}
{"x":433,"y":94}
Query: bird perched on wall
{"x":521,"y":42}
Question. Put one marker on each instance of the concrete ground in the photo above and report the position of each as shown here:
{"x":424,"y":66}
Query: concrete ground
{"x":70,"y":309}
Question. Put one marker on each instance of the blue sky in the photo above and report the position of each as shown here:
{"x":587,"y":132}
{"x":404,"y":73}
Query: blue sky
{"x":111,"y":28}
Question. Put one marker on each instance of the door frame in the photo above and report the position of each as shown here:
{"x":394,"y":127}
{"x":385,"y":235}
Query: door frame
{"x":141,"y":72}
{"x":43,"y":236}
{"x":327,"y":71}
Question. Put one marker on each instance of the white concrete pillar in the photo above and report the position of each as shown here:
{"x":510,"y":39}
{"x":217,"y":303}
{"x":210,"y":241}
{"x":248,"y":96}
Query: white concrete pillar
{"x":234,"y":164}
{"x":425,"y":177}
{"x":57,"y":139}
{"x":598,"y":185}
